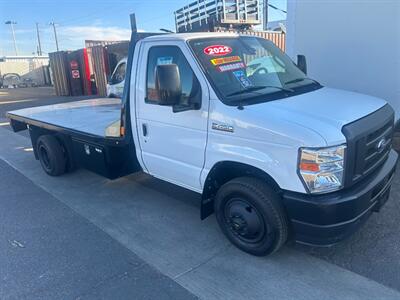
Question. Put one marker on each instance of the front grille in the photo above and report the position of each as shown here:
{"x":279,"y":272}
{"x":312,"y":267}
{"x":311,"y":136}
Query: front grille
{"x":369,"y":141}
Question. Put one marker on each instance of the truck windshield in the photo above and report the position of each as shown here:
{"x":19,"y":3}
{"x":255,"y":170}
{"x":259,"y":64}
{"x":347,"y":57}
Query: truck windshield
{"x":249,"y":70}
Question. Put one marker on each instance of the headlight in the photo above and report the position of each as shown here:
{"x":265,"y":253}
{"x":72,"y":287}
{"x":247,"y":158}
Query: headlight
{"x":322,"y":169}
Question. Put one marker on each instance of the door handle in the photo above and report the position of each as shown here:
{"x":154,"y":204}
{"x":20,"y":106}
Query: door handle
{"x":144,"y":129}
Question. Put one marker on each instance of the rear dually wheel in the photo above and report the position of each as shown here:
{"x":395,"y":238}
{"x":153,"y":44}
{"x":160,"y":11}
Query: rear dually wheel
{"x":51,"y":155}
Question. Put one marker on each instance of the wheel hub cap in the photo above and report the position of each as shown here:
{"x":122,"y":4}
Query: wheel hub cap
{"x":244,"y":220}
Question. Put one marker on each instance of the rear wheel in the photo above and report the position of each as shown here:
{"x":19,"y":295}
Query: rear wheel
{"x":51,"y":155}
{"x":251,"y":216}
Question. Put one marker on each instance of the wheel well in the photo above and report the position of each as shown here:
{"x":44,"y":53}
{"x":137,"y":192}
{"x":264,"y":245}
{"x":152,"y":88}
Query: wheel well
{"x":221,"y":173}
{"x":65,"y":141}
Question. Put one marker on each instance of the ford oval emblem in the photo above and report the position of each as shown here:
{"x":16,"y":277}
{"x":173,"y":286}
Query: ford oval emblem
{"x":381,"y":145}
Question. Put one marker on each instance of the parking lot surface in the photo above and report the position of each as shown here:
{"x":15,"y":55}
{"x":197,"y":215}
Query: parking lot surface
{"x":48,"y":251}
{"x":11,"y":99}
{"x":159,"y":224}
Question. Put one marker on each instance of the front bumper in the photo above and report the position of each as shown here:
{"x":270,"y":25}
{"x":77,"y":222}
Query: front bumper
{"x":324,"y":220}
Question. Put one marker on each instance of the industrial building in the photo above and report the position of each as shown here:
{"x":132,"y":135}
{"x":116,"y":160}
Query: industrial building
{"x":26,"y":67}
{"x":214,"y":15}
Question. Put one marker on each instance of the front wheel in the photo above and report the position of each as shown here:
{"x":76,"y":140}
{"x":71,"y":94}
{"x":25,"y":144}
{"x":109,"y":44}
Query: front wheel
{"x":251,"y":216}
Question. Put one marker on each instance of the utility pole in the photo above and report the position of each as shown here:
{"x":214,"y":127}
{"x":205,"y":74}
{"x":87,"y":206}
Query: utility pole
{"x":55,"y":33}
{"x":265,"y":15}
{"x":38,"y":38}
{"x":12,"y":23}
{"x":266,"y":5}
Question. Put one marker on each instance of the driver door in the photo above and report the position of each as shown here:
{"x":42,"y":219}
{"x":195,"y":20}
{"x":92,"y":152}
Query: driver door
{"x":172,"y":144}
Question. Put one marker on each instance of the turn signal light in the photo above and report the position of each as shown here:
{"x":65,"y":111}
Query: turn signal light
{"x":312,"y":167}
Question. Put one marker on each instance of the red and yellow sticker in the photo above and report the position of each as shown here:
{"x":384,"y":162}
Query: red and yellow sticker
{"x":225,"y":60}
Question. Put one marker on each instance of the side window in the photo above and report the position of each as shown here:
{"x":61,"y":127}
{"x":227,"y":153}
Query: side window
{"x":119,"y":74}
{"x":162,"y":55}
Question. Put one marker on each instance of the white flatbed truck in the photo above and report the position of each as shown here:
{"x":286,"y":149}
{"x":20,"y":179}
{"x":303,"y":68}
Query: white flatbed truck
{"x":273,"y":153}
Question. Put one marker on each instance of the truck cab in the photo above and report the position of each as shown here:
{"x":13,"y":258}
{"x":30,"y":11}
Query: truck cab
{"x":274,"y":154}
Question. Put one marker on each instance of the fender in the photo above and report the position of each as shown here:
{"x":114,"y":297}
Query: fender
{"x":223,"y":172}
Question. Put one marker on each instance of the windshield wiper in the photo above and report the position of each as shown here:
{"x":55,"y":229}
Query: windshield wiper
{"x":300,"y":79}
{"x":258,"y":87}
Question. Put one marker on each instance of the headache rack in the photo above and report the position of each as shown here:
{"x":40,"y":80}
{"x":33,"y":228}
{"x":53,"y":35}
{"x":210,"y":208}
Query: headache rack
{"x":211,"y":15}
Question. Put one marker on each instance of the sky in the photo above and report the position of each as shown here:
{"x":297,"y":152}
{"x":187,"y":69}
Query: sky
{"x":86,"y":19}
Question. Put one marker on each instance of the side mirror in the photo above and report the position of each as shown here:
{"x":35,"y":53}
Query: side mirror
{"x":302,"y":63}
{"x":168,"y":84}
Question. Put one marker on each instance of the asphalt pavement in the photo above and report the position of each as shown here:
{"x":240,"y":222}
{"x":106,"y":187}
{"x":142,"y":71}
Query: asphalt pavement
{"x":11,"y":99}
{"x":48,"y":251}
{"x":63,"y":225}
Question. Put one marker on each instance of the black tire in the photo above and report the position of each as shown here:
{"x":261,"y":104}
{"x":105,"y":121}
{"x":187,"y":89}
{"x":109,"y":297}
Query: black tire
{"x":51,"y":155}
{"x":251,"y":216}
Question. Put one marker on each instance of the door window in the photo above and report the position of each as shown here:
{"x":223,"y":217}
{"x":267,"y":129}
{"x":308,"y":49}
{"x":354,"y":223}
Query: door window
{"x":119,"y":74}
{"x":161,"y":55}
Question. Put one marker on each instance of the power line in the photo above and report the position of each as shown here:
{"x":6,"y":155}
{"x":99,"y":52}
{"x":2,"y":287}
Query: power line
{"x":265,"y":6}
{"x":277,"y":8}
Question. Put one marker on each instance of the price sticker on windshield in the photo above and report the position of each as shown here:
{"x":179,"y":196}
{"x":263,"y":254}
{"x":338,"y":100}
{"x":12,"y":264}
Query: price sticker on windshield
{"x":217,"y":50}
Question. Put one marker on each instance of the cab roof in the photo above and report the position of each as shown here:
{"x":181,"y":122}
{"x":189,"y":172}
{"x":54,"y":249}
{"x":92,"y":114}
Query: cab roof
{"x":190,"y":36}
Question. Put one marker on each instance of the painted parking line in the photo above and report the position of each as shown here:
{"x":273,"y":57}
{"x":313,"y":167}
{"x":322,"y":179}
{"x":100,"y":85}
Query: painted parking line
{"x":160,"y":223}
{"x":17,"y":101}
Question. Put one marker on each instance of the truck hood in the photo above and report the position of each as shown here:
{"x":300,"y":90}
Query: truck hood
{"x":324,"y":111}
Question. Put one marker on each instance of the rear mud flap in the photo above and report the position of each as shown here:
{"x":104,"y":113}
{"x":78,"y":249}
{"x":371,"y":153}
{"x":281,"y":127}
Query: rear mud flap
{"x":17,"y":126}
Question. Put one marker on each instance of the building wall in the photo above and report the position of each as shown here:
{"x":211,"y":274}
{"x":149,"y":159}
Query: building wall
{"x":26,"y":67}
{"x":352,"y":45}
{"x":20,"y":67}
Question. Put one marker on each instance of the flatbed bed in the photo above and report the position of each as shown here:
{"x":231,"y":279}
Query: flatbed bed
{"x":81,"y":128}
{"x":88,"y":116}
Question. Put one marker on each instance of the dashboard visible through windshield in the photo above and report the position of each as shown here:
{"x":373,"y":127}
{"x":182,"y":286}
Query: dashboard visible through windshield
{"x":247,"y":69}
